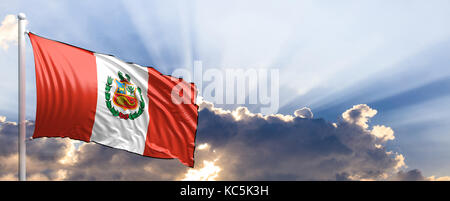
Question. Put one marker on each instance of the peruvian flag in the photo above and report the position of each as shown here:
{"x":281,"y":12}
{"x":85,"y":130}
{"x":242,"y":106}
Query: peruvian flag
{"x":98,"y":98}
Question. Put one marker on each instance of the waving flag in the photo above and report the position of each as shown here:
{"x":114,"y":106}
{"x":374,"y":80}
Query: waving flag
{"x":98,"y":98}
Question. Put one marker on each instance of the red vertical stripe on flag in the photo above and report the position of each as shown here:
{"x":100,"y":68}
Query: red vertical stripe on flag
{"x":172,"y":127}
{"x":66,"y":85}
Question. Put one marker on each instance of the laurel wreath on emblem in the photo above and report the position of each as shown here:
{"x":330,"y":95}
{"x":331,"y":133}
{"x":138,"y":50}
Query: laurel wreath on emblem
{"x":108,"y":97}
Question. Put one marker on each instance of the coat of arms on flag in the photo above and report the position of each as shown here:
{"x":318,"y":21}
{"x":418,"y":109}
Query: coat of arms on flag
{"x":125,"y":97}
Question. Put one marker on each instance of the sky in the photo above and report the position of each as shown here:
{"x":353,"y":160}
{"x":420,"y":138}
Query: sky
{"x":342,"y":61}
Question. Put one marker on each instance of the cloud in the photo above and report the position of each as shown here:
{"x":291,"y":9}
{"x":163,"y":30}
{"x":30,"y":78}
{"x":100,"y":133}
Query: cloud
{"x":383,"y":133}
{"x":209,"y":172}
{"x":203,"y":146}
{"x":231,"y":145}
{"x":8,"y":31}
{"x":304,"y":113}
{"x":412,"y":175}
{"x":359,"y":115}
{"x":444,"y":178}
{"x":283,"y":147}
{"x":2,"y":119}
{"x":416,"y":175}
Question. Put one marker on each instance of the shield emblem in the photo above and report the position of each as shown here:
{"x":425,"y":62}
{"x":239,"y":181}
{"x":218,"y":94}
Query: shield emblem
{"x":125,"y":95}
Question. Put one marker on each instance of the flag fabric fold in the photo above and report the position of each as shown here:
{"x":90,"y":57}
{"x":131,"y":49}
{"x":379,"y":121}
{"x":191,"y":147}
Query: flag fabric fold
{"x":95,"y":97}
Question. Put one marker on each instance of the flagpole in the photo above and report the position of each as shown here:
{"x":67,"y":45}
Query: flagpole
{"x":22,"y":127}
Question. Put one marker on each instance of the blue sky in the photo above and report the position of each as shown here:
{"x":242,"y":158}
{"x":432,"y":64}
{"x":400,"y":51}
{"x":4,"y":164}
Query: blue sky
{"x":392,"y":56}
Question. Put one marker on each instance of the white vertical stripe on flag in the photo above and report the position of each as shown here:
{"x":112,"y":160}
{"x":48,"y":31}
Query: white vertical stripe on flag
{"x":112,"y":131}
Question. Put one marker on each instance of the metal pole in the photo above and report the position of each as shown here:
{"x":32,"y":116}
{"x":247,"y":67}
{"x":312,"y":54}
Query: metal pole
{"x":22,"y":127}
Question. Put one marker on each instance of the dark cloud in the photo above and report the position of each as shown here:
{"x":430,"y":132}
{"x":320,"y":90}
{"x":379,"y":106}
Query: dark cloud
{"x":98,"y":162}
{"x":235,"y":145}
{"x":271,"y":147}
{"x":412,"y":175}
